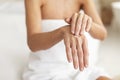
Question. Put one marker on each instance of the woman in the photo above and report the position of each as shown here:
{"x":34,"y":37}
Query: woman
{"x":45,"y":31}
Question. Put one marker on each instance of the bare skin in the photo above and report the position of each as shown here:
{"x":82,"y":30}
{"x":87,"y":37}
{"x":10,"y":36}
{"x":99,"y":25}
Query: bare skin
{"x":72,"y":34}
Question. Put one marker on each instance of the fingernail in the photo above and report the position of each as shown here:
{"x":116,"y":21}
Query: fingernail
{"x":70,"y":61}
{"x":86,"y":65}
{"x":81,"y":69}
{"x":76,"y":67}
{"x":82,"y":32}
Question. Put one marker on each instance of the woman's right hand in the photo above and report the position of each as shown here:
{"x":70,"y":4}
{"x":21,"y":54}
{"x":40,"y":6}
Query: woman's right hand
{"x":76,"y":49}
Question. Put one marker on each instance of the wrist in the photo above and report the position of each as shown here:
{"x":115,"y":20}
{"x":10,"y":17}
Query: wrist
{"x":65,"y":29}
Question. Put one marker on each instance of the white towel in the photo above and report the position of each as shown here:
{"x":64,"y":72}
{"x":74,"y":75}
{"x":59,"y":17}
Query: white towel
{"x":52,"y":64}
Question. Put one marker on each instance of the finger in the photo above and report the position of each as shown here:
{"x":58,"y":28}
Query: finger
{"x":84,"y":23}
{"x":85,"y":52}
{"x":68,"y":49}
{"x":80,"y":55}
{"x":68,"y":20}
{"x":89,"y":24}
{"x":79,"y":23}
{"x":73,"y":23}
{"x":74,"y":54}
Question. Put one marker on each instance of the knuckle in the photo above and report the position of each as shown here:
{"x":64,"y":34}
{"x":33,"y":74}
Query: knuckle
{"x":74,"y":51}
{"x":67,"y":46}
{"x":75,"y":15}
{"x":84,"y":21}
{"x":90,"y":19}
{"x":80,"y":19}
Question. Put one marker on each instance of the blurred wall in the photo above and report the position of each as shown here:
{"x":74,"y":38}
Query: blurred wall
{"x":106,"y":11}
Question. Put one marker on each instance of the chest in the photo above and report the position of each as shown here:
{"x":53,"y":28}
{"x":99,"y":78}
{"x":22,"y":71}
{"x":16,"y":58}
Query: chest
{"x":60,"y":8}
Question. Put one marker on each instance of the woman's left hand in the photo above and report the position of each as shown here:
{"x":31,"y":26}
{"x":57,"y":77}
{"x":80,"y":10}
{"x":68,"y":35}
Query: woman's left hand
{"x":80,"y":22}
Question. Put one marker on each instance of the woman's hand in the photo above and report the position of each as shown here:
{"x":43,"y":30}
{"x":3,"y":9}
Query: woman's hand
{"x":76,"y":49}
{"x":80,"y":22}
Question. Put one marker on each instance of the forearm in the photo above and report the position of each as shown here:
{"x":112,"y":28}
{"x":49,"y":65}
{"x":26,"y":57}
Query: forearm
{"x":42,"y":41}
{"x":98,"y":31}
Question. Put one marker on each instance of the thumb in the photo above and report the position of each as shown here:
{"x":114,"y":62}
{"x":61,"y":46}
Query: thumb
{"x":68,"y":20}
